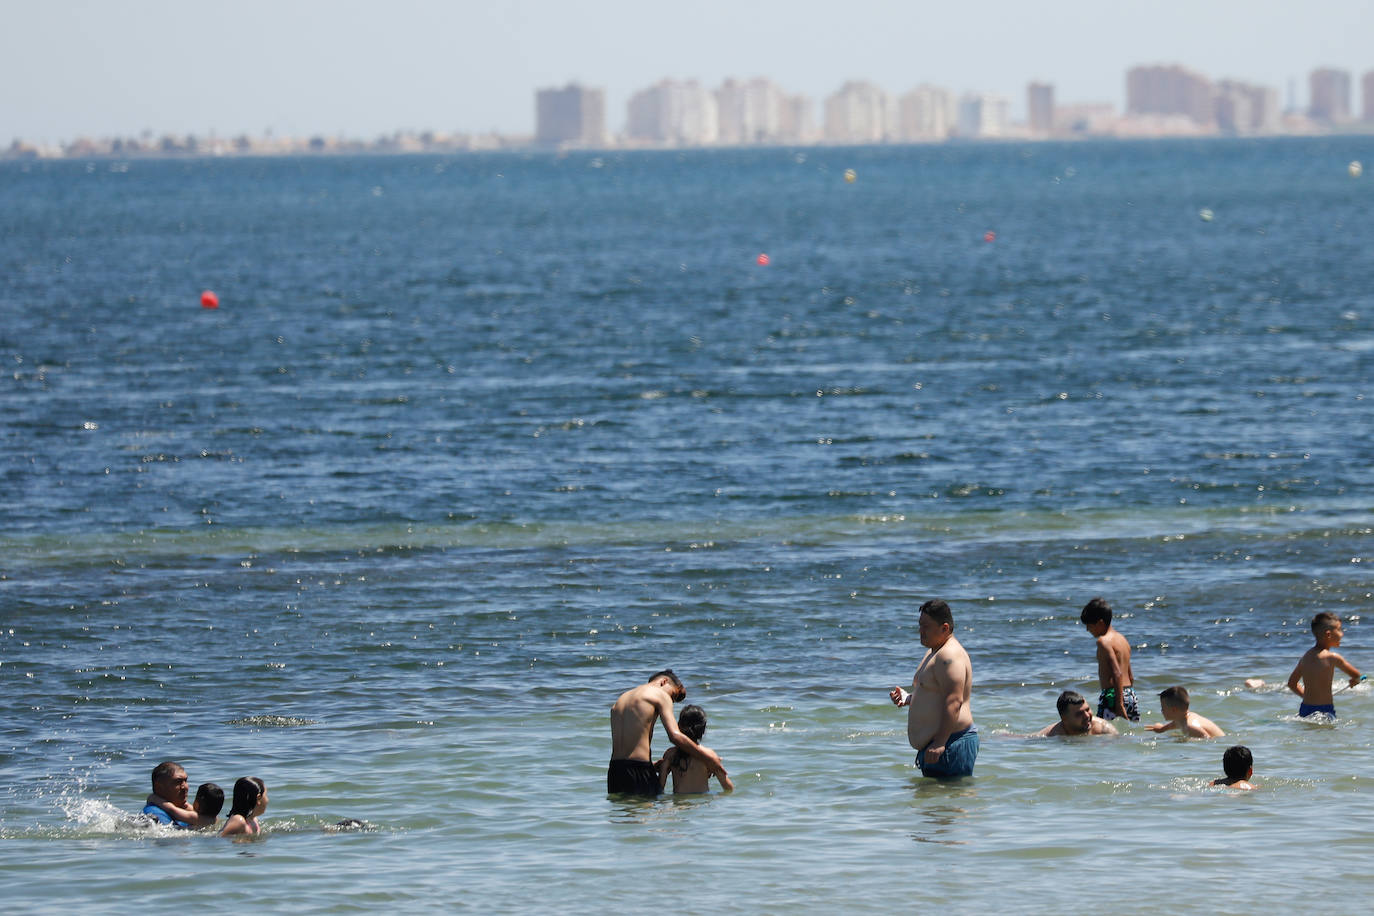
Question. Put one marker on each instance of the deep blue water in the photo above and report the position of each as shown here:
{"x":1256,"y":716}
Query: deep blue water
{"x":474,"y":443}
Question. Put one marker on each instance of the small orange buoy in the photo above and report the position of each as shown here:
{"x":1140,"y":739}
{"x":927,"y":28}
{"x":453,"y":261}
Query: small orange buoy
{"x":763,"y":260}
{"x":208,"y":300}
{"x":989,"y":236}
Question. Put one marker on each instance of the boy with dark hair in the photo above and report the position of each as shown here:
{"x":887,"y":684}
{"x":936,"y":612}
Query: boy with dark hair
{"x":1311,"y":678}
{"x":1173,"y":703}
{"x":209,"y":802}
{"x":1117,"y":699}
{"x":1239,"y":765}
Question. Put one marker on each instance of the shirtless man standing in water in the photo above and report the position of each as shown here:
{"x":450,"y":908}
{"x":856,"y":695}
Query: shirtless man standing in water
{"x":939,"y":721}
{"x":632,"y":770}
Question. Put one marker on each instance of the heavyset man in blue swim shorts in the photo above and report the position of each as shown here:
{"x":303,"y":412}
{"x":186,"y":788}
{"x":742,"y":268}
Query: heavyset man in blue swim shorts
{"x":939,"y":722}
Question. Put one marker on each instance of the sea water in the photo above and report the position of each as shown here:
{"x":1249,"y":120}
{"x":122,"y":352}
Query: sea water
{"x":472,"y":444}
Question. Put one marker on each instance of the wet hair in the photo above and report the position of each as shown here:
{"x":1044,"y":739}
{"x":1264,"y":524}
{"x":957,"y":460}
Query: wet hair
{"x":1174,"y":696}
{"x":1325,"y":621}
{"x":1237,"y":762}
{"x":1097,"y":611}
{"x":1066,"y":699}
{"x":673,"y":678}
{"x":693,"y":725}
{"x":209,"y":800}
{"x":247,"y":791}
{"x":165,"y":770}
{"x":938,"y":611}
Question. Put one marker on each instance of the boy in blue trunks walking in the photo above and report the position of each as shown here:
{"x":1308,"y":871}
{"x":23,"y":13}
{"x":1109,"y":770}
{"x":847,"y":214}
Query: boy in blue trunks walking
{"x":1312,"y":677}
{"x":1117,"y":699}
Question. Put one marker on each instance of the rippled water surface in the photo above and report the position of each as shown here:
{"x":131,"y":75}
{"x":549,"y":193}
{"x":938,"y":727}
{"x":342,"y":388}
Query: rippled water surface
{"x":473,"y":444}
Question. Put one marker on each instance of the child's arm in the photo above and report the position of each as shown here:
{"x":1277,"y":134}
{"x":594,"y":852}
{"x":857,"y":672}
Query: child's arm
{"x":1158,"y":727}
{"x":662,"y":765}
{"x":725,"y":783}
{"x":1295,"y":679}
{"x":185,"y":815}
{"x":235,"y":825}
{"x":1347,"y":668}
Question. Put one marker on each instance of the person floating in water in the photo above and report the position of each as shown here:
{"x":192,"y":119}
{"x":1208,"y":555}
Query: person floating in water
{"x":167,"y":803}
{"x":250,"y":801}
{"x":1117,"y":699}
{"x":1311,"y":678}
{"x":1239,"y":765}
{"x":690,"y":775}
{"x":1173,"y":704}
{"x":631,"y":770}
{"x":1075,"y":718}
{"x":939,"y":722}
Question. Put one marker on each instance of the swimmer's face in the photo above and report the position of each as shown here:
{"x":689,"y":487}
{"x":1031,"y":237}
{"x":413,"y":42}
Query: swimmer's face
{"x":1078,"y":719}
{"x":174,"y":788}
{"x":1332,"y":636}
{"x":261,"y":806}
{"x":932,"y":634}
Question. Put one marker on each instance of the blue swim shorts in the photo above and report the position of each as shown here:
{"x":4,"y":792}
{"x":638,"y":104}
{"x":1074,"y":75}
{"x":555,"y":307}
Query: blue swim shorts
{"x":1323,"y":709}
{"x":960,"y":751}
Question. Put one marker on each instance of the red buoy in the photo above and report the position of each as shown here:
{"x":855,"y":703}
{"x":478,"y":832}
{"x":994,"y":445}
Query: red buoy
{"x":989,"y":236}
{"x":763,"y":260}
{"x":208,"y":300}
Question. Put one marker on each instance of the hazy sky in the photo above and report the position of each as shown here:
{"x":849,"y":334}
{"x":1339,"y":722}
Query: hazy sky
{"x":301,"y":67}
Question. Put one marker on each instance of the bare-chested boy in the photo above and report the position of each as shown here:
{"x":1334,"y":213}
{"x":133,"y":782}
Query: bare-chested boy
{"x":939,"y":723}
{"x":632,"y":770}
{"x":1311,"y":679}
{"x":1173,"y":703}
{"x":1117,"y":699}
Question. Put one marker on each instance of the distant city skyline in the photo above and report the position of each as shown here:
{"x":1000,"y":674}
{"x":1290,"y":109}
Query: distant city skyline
{"x":347,"y":68}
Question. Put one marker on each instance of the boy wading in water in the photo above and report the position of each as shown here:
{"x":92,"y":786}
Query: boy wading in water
{"x":1117,"y":699}
{"x":1311,"y":679}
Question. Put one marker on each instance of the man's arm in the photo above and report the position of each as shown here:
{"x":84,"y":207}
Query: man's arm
{"x":683,"y":743}
{"x":185,"y":815}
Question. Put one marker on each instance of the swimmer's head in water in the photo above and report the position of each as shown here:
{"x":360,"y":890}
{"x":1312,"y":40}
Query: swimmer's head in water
{"x":209,"y":800}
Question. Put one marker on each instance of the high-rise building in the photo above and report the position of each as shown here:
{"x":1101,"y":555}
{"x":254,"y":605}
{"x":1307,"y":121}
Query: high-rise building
{"x":1242,"y":108}
{"x":673,"y":112}
{"x":750,"y":112}
{"x":1330,"y":95}
{"x":857,"y":113}
{"x":925,"y":114}
{"x":572,"y":116}
{"x":982,"y":115}
{"x":797,"y":120}
{"x":1040,"y":108}
{"x":1367,"y":91}
{"x":1156,"y":90}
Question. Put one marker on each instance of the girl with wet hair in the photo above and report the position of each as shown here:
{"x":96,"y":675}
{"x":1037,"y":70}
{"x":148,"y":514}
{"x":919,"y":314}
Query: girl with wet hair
{"x":689,"y":774}
{"x":250,"y":801}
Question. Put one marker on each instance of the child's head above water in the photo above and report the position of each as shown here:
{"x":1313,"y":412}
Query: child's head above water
{"x":1325,"y":621}
{"x":209,"y":800}
{"x":1096,"y":611}
{"x":1173,"y":699}
{"x":1237,"y":762}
